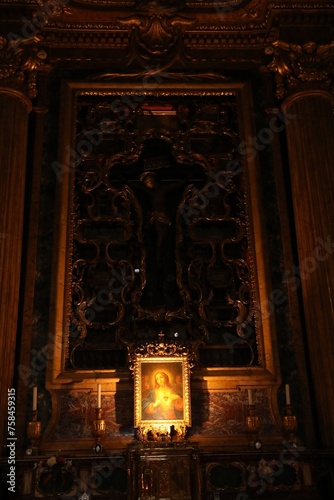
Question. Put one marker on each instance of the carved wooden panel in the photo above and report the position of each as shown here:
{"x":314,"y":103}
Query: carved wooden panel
{"x":164,"y":473}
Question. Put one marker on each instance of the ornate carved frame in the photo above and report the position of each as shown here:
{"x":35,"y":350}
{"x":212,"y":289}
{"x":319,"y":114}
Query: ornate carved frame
{"x":155,"y":358}
{"x":267,"y":373}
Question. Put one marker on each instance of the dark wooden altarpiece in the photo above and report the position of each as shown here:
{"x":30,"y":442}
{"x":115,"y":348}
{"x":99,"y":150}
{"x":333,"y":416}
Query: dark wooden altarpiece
{"x":159,"y":228}
{"x":159,"y":238}
{"x":172,"y":228}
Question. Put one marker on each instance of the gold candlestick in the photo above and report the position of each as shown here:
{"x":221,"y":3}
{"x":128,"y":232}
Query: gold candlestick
{"x":99,"y":428}
{"x":34,"y":430}
{"x":253,"y":423}
{"x":289,"y":422}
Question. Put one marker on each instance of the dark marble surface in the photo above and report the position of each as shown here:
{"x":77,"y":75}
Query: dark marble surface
{"x":212,"y":414}
{"x":77,"y":412}
{"x":225,"y":413}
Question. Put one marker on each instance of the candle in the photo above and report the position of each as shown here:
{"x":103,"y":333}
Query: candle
{"x":99,"y":395}
{"x":287,"y":394}
{"x":250,"y":399}
{"x":34,"y":399}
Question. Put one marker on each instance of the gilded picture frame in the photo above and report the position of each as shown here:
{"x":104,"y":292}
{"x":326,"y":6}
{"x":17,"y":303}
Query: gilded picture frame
{"x":162,"y":397}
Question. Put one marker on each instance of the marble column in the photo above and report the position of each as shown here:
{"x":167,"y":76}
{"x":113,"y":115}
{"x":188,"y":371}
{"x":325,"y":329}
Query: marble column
{"x":304,"y":81}
{"x":310,"y":133}
{"x":14,"y":110}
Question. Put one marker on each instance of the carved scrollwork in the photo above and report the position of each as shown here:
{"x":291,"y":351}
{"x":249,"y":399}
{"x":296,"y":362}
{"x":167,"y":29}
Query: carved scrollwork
{"x":160,"y":348}
{"x":160,"y":238}
{"x":220,"y":268}
{"x":299,"y":67}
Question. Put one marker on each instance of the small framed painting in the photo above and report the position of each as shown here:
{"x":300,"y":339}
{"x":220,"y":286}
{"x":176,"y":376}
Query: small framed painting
{"x":162,"y":397}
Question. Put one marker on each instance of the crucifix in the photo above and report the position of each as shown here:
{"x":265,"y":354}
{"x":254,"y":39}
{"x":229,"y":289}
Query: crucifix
{"x":159,"y":195}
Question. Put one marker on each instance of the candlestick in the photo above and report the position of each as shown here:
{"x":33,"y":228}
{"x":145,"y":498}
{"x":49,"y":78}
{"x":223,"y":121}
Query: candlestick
{"x":99,"y":395}
{"x":34,"y":432}
{"x":287,"y":394}
{"x":34,"y":399}
{"x":253,"y":424}
{"x":250,"y":398}
{"x":290,"y":423}
{"x":99,"y":429}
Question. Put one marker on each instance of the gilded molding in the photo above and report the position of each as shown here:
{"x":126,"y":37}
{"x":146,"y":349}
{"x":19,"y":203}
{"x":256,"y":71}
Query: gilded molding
{"x":105,"y":3}
{"x":58,"y":8}
{"x":156,"y":72}
{"x":19,"y":65}
{"x":301,"y":67}
{"x":301,"y":4}
{"x":170,"y":5}
{"x":193,"y":39}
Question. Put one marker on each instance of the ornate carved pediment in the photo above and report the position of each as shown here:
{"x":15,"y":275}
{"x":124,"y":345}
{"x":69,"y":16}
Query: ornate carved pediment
{"x":299,"y":67}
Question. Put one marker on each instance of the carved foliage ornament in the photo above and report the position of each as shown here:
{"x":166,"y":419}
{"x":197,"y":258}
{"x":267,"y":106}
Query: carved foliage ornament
{"x":160,"y":347}
{"x":19,"y":64}
{"x":155,"y":37}
{"x":299,"y":67}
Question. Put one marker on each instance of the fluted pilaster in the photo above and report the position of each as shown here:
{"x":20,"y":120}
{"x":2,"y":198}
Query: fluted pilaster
{"x":14,"y":109}
{"x":304,"y":79}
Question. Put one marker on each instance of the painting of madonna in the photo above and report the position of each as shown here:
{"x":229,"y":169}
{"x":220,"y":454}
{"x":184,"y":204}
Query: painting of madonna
{"x":164,"y":401}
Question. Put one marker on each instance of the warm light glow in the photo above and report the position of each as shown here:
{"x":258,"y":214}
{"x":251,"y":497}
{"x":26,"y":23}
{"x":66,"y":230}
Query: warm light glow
{"x":99,"y":395}
{"x":250,"y":397}
{"x":34,"y":399}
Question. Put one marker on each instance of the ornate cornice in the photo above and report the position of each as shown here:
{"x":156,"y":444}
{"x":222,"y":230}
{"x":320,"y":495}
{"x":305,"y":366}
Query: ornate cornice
{"x":301,"y":67}
{"x":171,"y":34}
{"x":19,"y":64}
{"x":147,"y":35}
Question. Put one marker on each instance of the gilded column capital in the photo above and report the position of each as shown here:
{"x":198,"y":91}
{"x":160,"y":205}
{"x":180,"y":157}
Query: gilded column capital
{"x":301,"y":67}
{"x":19,"y":64}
